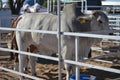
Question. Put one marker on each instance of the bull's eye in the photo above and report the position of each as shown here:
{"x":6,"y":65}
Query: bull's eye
{"x":100,"y":21}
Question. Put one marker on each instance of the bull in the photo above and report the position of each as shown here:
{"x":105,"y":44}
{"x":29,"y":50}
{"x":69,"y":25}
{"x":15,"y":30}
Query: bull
{"x":72,"y":20}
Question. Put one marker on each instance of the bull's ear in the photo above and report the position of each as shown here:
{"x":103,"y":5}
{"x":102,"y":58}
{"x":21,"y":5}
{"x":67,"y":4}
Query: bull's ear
{"x":99,"y":19}
{"x":82,"y":20}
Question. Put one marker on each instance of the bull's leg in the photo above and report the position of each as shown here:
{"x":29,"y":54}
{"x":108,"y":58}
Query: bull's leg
{"x":16,"y":62}
{"x":90,"y":54}
{"x":22,"y":62}
{"x":32,"y":64}
{"x":21,"y":47}
{"x":32,"y":48}
{"x":66,"y":54}
{"x":11,"y":53}
{"x":26,"y":64}
{"x":11,"y":56}
{"x":10,"y":46}
{"x":68,"y":69}
{"x":16,"y":65}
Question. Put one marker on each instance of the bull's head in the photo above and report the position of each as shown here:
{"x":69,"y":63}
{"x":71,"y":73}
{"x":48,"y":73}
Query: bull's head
{"x":102,"y":20}
{"x":96,"y":21}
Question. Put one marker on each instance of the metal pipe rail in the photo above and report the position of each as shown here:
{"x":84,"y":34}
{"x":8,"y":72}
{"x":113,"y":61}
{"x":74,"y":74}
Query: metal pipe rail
{"x":114,"y":20}
{"x":70,"y":1}
{"x":83,"y":7}
{"x":66,"y":61}
{"x":16,"y":72}
{"x":59,"y":33}
{"x":114,"y":24}
{"x":87,"y":34}
{"x":68,"y":34}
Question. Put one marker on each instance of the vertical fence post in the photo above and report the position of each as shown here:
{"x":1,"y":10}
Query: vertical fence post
{"x":77,"y":56}
{"x":34,"y":1}
{"x":0,"y":22}
{"x":59,"y":40}
{"x":82,"y":4}
{"x":64,"y":2}
{"x":53,"y":6}
{"x":48,"y":6}
{"x":85,"y":6}
{"x":0,"y":31}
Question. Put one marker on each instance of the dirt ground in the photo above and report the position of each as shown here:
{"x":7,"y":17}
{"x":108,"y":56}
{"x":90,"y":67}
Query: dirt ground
{"x":48,"y":70}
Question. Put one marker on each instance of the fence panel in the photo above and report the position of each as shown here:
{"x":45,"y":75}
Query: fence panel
{"x":56,"y":59}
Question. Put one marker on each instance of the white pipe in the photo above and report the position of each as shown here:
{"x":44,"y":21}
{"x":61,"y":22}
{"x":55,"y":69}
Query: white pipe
{"x":86,"y":6}
{"x":87,"y":34}
{"x":54,"y":6}
{"x":82,"y":5}
{"x":48,"y":6}
{"x":27,"y":30}
{"x":34,"y":1}
{"x":59,"y":40}
{"x":92,"y":35}
{"x":30,"y":54}
{"x":64,"y":3}
{"x":18,"y":73}
{"x":66,"y":61}
{"x":77,"y":57}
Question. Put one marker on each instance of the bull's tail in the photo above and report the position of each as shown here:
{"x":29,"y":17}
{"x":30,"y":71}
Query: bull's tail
{"x":12,"y":43}
{"x":12,"y":33}
{"x":14,"y":23}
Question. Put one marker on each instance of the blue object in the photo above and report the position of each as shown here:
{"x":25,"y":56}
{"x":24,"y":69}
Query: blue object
{"x":5,"y":17}
{"x":31,"y":2}
{"x":83,"y":77}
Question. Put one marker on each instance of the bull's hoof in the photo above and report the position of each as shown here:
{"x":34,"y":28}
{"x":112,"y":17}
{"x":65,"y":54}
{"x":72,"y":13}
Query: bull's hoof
{"x":15,"y":69}
{"x":16,"y":66}
{"x":11,"y":58}
{"x":34,"y":74}
{"x":25,"y":69}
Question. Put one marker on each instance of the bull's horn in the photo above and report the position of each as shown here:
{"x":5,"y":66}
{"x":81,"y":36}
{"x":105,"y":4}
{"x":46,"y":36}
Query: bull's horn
{"x":99,"y":17}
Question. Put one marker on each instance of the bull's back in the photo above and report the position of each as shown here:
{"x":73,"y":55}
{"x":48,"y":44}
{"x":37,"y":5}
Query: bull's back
{"x":39,"y":21}
{"x":36,"y":21}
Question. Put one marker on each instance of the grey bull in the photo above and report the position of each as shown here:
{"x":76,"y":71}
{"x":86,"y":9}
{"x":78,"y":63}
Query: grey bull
{"x":72,"y":20}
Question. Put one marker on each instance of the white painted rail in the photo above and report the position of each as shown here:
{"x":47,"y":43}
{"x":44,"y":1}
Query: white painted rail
{"x":66,"y":61}
{"x":89,"y":34}
{"x":56,"y":59}
{"x":114,"y":21}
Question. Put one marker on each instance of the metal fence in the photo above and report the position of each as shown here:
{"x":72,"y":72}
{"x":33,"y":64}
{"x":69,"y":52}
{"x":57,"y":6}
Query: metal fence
{"x":56,"y":59}
{"x":114,"y":22}
{"x":60,"y":60}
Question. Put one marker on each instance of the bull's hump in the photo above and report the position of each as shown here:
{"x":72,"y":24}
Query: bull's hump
{"x":28,"y":15}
